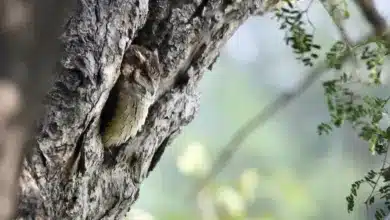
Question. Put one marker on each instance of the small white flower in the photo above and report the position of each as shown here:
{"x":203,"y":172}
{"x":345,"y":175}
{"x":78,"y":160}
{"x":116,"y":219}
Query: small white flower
{"x":194,"y":160}
{"x":138,"y":214}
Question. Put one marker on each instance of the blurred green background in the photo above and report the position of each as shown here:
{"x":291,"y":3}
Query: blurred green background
{"x":284,"y":170}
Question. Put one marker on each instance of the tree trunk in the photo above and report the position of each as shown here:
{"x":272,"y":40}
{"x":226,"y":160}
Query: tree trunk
{"x":68,"y":174}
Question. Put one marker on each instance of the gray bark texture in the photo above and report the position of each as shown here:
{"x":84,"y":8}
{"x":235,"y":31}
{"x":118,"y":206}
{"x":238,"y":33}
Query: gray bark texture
{"x":68,"y":174}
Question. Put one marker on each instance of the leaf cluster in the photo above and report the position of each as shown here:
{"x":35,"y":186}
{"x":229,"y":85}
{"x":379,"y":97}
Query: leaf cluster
{"x":363,"y":112}
{"x":296,"y":36}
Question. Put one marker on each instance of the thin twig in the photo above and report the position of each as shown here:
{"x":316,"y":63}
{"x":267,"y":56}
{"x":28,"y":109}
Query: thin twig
{"x":334,"y":14}
{"x":372,"y":15}
{"x":377,"y":179}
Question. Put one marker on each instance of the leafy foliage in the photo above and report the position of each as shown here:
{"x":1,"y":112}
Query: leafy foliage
{"x":296,"y":36}
{"x":345,"y":105}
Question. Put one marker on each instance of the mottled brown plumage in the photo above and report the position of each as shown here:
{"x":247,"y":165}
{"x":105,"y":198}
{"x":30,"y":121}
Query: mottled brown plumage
{"x":135,"y":91}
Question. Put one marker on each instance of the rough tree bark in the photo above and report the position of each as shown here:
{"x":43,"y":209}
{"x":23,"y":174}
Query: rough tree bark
{"x":29,"y":49}
{"x":188,"y":35}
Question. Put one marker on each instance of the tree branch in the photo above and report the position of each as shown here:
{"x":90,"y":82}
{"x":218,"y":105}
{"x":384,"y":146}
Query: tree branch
{"x":263,"y":116}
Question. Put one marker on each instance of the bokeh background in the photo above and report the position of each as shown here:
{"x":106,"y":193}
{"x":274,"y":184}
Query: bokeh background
{"x":285,"y":170}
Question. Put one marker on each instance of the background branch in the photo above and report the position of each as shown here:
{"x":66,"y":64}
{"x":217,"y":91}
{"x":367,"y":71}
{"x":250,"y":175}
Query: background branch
{"x":379,"y":25}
